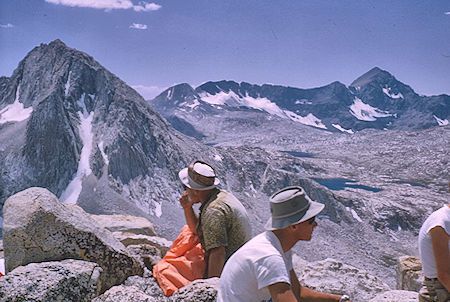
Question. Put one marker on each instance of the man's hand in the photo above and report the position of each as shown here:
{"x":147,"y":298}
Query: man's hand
{"x":191,"y":218}
{"x":185,"y":201}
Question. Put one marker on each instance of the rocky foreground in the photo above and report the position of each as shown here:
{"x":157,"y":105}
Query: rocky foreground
{"x":58,"y":252}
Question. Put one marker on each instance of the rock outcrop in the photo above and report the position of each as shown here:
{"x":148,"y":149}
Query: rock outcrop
{"x":65,"y":281}
{"x":409,"y":273}
{"x":127,"y":239}
{"x":124,"y":293}
{"x":126,"y":223}
{"x":204,"y":290}
{"x":336,"y":277}
{"x":396,"y":296}
{"x":37,"y":227}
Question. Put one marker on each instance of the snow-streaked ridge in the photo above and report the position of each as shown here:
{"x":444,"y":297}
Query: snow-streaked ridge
{"x":365,"y":112}
{"x":73,"y":190}
{"x":15,"y":112}
{"x":264,"y":104}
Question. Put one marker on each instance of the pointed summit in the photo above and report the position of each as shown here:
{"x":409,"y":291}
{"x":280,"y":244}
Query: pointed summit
{"x":375,"y":74}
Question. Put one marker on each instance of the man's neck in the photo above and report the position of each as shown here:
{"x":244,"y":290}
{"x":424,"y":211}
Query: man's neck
{"x":285,"y":238}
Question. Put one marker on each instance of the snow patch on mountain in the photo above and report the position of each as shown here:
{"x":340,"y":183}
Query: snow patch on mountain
{"x":15,"y":112}
{"x":387,"y":91}
{"x":264,"y":104}
{"x":303,"y":102}
{"x":365,"y":112}
{"x":102,"y":151}
{"x":67,"y":86}
{"x":192,"y":106}
{"x":309,"y":120}
{"x":73,"y":190}
{"x":441,"y":122}
{"x":354,"y":214}
{"x":169,"y":94}
{"x":339,"y":127}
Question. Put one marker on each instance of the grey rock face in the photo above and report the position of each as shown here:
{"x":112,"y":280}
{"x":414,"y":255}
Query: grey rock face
{"x":125,"y":223}
{"x":127,"y":239}
{"x":147,"y":254}
{"x":147,"y":285}
{"x":335,"y":277}
{"x":396,"y":296}
{"x":203,"y":290}
{"x":65,"y":281}
{"x":38,"y":227}
{"x":124,"y":293}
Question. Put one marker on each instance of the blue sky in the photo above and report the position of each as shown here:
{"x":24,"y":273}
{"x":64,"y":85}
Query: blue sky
{"x":152,"y":45}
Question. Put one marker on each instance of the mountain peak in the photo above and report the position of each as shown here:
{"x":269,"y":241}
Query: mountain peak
{"x":57,"y":42}
{"x":374,"y":74}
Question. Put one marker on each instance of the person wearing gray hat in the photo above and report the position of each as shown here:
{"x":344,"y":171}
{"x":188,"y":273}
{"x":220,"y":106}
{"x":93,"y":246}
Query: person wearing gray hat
{"x":222,"y":224}
{"x":261,"y":270}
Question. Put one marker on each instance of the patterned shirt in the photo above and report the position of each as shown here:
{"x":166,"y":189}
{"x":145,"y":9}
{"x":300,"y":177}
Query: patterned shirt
{"x":223,"y":221}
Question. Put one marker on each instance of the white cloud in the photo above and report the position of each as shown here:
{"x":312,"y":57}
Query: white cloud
{"x":447,"y":13}
{"x":148,"y":92}
{"x":144,"y":6}
{"x":9,"y":25}
{"x":108,"y":4}
{"x":138,"y":26}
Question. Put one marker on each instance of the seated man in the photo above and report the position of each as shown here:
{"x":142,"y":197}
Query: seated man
{"x":262,"y":270}
{"x":434,"y":249}
{"x":222,"y":225}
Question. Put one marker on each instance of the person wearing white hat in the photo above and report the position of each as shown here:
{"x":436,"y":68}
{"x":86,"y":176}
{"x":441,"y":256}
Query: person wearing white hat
{"x":222,"y":224}
{"x":261,"y":270}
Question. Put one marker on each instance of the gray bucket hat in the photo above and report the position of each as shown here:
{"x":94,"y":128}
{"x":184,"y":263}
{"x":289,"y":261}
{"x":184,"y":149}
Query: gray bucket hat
{"x":199,"y":176}
{"x":289,"y":206}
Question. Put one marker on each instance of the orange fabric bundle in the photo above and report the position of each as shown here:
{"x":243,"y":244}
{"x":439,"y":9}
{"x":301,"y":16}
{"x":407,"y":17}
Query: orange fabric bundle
{"x":182,"y":264}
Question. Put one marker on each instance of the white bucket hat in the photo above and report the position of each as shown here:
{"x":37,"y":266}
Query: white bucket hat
{"x":199,"y":176}
{"x":289,"y":206}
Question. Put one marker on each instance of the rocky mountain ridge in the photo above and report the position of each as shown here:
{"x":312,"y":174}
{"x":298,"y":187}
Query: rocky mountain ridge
{"x":375,"y":100}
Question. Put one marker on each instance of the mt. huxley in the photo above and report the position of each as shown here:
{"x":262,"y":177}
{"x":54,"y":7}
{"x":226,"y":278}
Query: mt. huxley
{"x":69,"y":125}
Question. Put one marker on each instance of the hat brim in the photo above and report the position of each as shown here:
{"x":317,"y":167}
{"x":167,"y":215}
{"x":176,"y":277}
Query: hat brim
{"x":314,"y":209}
{"x":188,"y":182}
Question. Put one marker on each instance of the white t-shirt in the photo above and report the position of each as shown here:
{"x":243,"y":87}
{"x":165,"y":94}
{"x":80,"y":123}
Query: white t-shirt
{"x":441,"y":218}
{"x":252,"y":268}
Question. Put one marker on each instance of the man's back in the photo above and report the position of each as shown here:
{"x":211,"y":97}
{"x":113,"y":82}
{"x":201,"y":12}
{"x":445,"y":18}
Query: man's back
{"x":224,"y":222}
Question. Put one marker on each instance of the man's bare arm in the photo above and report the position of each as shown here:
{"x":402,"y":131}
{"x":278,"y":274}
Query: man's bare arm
{"x":282,"y":292}
{"x":216,"y":261}
{"x":439,"y":240}
{"x":189,"y":214}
